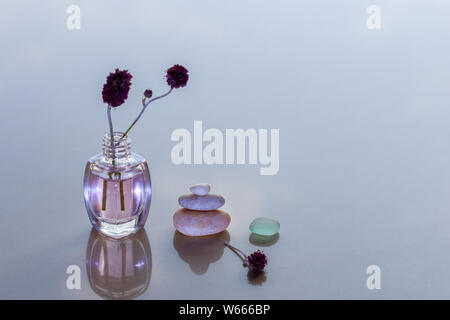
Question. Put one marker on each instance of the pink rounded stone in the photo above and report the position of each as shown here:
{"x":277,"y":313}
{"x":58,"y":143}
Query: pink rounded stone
{"x":195,"y":223}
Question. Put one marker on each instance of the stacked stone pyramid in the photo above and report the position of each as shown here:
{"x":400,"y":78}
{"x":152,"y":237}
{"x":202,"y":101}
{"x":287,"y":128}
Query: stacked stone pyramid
{"x":199,"y":215}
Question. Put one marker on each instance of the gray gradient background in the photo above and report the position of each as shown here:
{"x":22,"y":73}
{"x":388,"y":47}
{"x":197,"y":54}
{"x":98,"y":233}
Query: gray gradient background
{"x":364,"y":140}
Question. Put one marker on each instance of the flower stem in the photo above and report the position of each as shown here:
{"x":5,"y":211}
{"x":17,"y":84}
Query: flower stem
{"x":111,"y":135}
{"x":241,"y":254}
{"x":143,"y":109}
{"x":105,"y":190}
{"x":122,"y":195}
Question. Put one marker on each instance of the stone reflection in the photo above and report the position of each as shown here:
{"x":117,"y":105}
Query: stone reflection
{"x":263,"y":241}
{"x":199,"y":252}
{"x":119,"y":268}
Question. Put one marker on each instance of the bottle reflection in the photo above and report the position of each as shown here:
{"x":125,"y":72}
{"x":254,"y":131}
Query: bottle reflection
{"x":199,"y":252}
{"x":119,"y":268}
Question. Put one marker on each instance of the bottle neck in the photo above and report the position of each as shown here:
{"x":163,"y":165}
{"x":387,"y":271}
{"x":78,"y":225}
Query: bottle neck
{"x":117,"y":149}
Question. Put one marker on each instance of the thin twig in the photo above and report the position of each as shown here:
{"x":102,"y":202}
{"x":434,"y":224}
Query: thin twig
{"x":145,"y":105}
{"x":111,"y":135}
{"x":238,"y":252}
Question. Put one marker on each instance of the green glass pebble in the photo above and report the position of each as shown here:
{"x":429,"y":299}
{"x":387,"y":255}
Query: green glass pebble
{"x":265,"y":226}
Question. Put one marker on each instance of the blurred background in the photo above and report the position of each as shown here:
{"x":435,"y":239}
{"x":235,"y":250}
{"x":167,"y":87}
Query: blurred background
{"x":363,"y":116}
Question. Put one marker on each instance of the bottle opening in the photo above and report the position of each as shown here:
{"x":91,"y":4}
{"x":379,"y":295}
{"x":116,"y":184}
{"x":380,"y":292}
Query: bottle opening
{"x":119,"y":147}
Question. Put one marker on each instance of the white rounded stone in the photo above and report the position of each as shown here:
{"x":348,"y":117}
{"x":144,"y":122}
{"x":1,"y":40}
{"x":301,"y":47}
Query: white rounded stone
{"x":200,"y":189}
{"x":201,"y":203}
{"x":194,"y":223}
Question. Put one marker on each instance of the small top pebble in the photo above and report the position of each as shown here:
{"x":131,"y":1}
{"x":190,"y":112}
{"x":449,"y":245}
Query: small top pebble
{"x":200,"y":189}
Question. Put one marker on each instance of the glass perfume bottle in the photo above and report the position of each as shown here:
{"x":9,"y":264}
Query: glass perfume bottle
{"x":117,"y":188}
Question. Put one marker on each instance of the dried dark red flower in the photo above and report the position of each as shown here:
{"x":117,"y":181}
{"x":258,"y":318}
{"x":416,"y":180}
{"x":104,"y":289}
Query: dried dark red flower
{"x":177,"y":76}
{"x":115,"y":91}
{"x":148,"y":93}
{"x":257,"y":261}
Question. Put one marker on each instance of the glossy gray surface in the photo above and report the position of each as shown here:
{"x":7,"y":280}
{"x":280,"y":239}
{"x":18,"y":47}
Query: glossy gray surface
{"x":364,"y":142}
